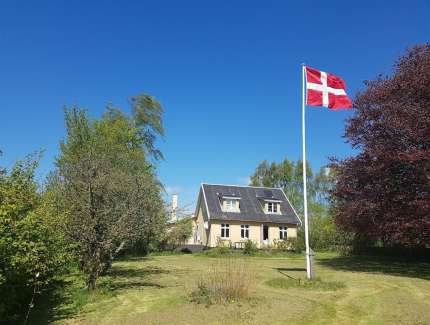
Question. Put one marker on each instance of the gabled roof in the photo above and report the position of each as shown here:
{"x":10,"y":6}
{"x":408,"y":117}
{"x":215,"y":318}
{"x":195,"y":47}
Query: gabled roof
{"x":251,"y":200}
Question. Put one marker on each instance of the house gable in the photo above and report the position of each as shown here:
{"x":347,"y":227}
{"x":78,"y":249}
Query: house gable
{"x":202,"y":205}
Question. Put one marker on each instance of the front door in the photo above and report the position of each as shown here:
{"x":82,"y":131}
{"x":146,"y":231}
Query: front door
{"x":265,"y":234}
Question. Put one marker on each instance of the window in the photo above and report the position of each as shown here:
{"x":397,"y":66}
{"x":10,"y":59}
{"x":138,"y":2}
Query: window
{"x":244,"y":231}
{"x":282,"y":232}
{"x":272,"y":207}
{"x":225,"y":230}
{"x":230,"y":204}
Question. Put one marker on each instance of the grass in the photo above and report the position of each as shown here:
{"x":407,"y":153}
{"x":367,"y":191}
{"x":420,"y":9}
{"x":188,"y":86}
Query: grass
{"x":220,"y":252}
{"x":156,"y":290}
{"x":316,"y":284}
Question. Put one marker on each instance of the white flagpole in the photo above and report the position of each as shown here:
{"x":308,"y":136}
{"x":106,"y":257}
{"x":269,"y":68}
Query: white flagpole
{"x":305,"y":195}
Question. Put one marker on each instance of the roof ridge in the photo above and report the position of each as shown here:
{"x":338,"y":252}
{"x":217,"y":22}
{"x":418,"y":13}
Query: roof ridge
{"x":230,"y":185}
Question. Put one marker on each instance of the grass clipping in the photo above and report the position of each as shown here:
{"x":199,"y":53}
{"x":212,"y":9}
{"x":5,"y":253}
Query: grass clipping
{"x":228,"y":281}
{"x":316,"y":284}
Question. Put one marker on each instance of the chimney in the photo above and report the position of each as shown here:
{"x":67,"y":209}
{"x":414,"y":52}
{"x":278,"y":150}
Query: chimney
{"x":174,"y":208}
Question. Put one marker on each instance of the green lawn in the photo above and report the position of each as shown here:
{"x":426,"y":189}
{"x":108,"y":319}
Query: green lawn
{"x":156,"y":289}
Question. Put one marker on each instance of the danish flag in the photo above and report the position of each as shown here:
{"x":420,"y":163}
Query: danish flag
{"x":324,"y":89}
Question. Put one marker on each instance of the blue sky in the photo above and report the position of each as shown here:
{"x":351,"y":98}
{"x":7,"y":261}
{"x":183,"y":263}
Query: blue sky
{"x":227,"y":73}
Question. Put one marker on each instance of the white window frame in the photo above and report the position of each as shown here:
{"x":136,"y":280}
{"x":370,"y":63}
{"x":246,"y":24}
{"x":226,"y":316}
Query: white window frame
{"x":225,"y":227}
{"x":283,"y":233}
{"x":244,"y":231}
{"x":272,"y":207}
{"x":231,"y":205}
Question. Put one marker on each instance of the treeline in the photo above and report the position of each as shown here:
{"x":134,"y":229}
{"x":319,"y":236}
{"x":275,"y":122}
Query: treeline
{"x":102,"y":198}
{"x":288,"y":175}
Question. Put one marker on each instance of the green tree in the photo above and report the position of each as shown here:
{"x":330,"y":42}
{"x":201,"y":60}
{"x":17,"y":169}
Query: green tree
{"x":31,"y":251}
{"x":179,"y":233}
{"x":288,"y":175}
{"x":262,"y":175}
{"x":110,"y":192}
{"x":147,"y":116}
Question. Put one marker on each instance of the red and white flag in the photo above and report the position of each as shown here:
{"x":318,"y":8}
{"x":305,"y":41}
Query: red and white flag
{"x":324,"y":89}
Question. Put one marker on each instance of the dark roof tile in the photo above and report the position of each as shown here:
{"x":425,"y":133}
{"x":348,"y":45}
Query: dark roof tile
{"x":250,"y":205}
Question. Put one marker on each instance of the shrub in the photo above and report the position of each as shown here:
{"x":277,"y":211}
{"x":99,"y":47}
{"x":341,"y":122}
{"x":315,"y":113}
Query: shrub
{"x":227,"y":282}
{"x":218,"y":252}
{"x":290,"y":244}
{"x":222,"y":248}
{"x":250,"y":248}
{"x":324,"y":235}
{"x":226,"y":243}
{"x":32,"y":251}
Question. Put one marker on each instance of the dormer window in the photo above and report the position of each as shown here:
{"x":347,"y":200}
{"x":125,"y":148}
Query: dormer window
{"x":229,"y":202}
{"x":270,"y":203}
{"x":231,"y":205}
{"x":272,"y":207}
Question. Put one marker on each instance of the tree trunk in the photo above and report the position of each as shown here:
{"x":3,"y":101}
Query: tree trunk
{"x":94,"y":270}
{"x":92,"y":279}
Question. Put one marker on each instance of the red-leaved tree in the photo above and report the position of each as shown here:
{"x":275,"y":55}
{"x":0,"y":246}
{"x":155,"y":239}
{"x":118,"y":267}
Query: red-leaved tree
{"x":383,"y":193}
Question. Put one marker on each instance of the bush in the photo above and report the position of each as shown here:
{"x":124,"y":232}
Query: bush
{"x":250,"y":248}
{"x":290,"y":244}
{"x":324,"y":235}
{"x":32,"y":250}
{"x":226,"y":243}
{"x":227,"y":282}
{"x":218,"y":252}
{"x":222,"y":248}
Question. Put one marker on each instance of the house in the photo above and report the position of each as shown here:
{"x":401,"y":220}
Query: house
{"x":228,"y":214}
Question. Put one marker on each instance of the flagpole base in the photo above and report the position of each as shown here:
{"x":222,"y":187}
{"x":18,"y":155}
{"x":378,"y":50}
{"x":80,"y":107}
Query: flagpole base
{"x":309,"y":265}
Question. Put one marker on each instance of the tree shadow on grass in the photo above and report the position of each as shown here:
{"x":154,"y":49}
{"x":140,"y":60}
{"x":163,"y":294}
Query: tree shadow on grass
{"x":58,"y":302}
{"x":290,"y":269}
{"x":133,"y":258}
{"x":283,"y":270}
{"x":127,"y":272}
{"x":53,"y":304}
{"x":378,"y":264}
{"x":126,"y":278}
{"x":123,"y":278}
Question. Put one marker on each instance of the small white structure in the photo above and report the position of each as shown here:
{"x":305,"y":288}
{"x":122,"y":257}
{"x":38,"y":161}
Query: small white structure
{"x":173,"y":215}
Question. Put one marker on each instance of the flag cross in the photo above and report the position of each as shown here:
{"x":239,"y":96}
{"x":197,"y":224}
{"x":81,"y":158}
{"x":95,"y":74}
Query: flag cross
{"x":325,"y":89}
